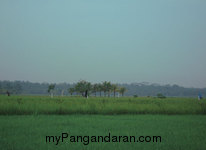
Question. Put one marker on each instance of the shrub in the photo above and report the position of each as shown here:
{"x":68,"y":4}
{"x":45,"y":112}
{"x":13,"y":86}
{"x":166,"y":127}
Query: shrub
{"x":159,"y":95}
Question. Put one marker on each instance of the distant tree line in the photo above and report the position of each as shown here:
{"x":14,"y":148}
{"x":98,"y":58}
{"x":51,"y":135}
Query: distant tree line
{"x":7,"y":87}
{"x":146,"y":89}
{"x":138,"y":89}
{"x":85,"y":88}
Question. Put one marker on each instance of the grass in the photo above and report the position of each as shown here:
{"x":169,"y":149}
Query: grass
{"x":31,"y":105}
{"x":25,"y":121}
{"x":28,"y":132}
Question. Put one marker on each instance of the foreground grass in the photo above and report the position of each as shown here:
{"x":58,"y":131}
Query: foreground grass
{"x":183,"y":132}
{"x":22,"y":105}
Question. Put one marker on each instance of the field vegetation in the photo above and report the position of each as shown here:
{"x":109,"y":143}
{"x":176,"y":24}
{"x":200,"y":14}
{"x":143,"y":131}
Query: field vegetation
{"x":28,"y":132}
{"x":26,"y":105}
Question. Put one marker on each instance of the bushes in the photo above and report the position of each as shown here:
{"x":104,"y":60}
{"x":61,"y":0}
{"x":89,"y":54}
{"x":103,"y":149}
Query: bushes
{"x":135,"y":96}
{"x":159,"y":95}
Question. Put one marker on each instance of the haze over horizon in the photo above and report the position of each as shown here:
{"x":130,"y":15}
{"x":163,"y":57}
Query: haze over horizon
{"x":120,"y":41}
{"x":143,"y":83}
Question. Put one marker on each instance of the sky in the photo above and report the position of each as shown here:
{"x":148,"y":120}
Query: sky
{"x":122,"y":41}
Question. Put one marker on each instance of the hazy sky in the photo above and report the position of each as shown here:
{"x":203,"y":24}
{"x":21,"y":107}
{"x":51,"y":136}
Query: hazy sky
{"x":124,"y":41}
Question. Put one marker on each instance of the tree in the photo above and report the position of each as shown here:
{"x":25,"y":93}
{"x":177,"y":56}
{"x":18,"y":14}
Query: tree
{"x":5,"y":88}
{"x":17,"y":88}
{"x":95,"y":89}
{"x":8,"y":93}
{"x":114,"y":88}
{"x":122,"y":90}
{"x":83,"y":87}
{"x":51,"y":89}
{"x":106,"y":87}
{"x":160,"y":95}
{"x":8,"y":88}
{"x":62,"y":92}
{"x":71,"y":91}
{"x":109,"y":88}
{"x":100,"y":89}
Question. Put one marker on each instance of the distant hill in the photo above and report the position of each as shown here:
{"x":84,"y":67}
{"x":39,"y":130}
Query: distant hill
{"x":139,"y":89}
{"x":146,"y":89}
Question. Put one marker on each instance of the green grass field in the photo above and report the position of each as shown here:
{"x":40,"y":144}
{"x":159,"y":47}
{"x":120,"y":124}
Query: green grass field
{"x":24,"y":105}
{"x":25,"y":121}
{"x":28,"y":132}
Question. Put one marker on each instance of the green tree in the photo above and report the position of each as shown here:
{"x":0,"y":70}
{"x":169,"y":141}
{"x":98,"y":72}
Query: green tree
{"x":106,"y":88}
{"x":95,"y":89}
{"x":8,"y":88}
{"x":17,"y":88}
{"x":109,"y":88}
{"x":100,"y":89}
{"x":83,"y":87}
{"x":71,"y":91}
{"x":122,"y":90}
{"x":51,"y":89}
{"x":160,"y":95}
{"x":114,"y":88}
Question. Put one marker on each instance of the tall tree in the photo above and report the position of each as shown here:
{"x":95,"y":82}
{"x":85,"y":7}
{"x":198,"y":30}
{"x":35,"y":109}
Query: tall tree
{"x":109,"y":88}
{"x":100,"y":89}
{"x":83,"y":87}
{"x":122,"y":90}
{"x":95,"y":89}
{"x":114,"y":88}
{"x":104,"y":87}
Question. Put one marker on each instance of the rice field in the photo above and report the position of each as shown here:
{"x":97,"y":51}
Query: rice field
{"x":34,"y":105}
{"x":28,"y":132}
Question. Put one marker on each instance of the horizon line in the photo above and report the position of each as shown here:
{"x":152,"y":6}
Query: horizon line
{"x":143,"y":83}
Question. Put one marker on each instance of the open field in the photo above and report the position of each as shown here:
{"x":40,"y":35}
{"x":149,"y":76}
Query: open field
{"x":28,"y":132}
{"x":24,"y":105}
{"x":25,"y":121}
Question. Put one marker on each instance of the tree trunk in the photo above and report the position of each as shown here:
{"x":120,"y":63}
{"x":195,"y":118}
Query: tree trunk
{"x":52,"y":94}
{"x":62,"y":94}
{"x":8,"y":94}
{"x":86,"y":94}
